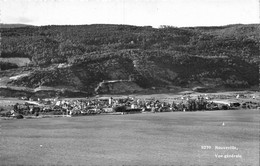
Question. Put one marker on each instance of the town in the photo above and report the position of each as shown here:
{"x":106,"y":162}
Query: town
{"x":118,"y":105}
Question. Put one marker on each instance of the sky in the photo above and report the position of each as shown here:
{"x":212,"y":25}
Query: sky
{"x":179,"y":13}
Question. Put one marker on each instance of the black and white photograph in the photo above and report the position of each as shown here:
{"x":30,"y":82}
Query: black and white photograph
{"x":129,"y":82}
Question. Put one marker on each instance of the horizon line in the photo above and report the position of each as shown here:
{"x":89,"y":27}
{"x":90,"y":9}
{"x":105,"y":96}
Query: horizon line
{"x":223,"y":25}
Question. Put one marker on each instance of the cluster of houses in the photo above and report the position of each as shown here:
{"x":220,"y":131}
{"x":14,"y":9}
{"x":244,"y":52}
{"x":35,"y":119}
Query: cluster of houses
{"x":125,"y":105}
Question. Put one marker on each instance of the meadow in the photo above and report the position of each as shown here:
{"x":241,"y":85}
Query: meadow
{"x":18,"y":61}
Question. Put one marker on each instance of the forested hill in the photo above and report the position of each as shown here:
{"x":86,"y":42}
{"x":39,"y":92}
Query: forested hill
{"x":13,"y":25}
{"x":82,"y":56}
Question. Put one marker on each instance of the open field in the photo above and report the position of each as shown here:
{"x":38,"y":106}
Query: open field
{"x":173,"y":138}
{"x":18,"y":61}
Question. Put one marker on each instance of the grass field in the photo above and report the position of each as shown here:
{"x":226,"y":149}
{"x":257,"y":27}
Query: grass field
{"x":173,"y":138}
{"x":18,"y":61}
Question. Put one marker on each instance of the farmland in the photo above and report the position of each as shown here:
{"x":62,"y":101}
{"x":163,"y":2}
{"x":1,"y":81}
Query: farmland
{"x":172,"y":138}
{"x":18,"y":61}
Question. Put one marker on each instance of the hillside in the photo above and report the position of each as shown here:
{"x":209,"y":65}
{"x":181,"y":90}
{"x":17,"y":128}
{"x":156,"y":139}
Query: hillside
{"x":13,"y":25}
{"x":80,"y":57}
{"x":117,"y":87}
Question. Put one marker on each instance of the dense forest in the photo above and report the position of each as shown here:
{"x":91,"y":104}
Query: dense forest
{"x":81,"y":56}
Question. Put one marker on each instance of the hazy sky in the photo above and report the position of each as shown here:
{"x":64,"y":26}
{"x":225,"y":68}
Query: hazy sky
{"x":135,"y":12}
